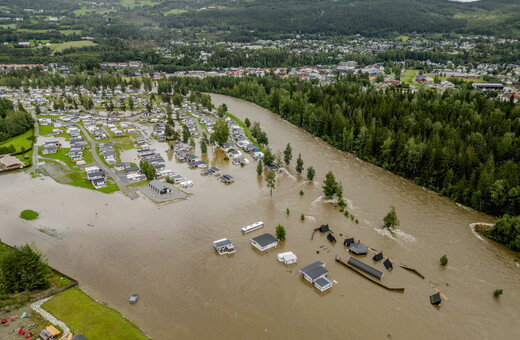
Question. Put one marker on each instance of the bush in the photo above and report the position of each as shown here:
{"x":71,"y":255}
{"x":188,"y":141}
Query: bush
{"x":498,"y":292}
{"x":280,"y":232}
{"x":444,"y":260}
{"x":287,"y":211}
{"x":29,"y":215}
{"x":301,"y":192}
{"x":302,"y":217}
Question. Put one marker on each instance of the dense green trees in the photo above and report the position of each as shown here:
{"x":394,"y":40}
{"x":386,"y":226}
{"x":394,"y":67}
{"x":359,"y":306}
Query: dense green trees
{"x":220,"y":132}
{"x":280,"y":232}
{"x":12,"y":122}
{"x":506,"y":231}
{"x":21,"y":269}
{"x":330,"y":186}
{"x":148,"y":169}
{"x":459,"y":143}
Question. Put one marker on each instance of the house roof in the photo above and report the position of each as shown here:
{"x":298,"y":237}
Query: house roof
{"x":9,"y":160}
{"x":388,"y":264}
{"x":79,"y":337}
{"x":435,"y":299}
{"x":265,"y":239}
{"x":358,"y":248}
{"x":331,"y":238}
{"x":158,"y":185}
{"x":323,"y":281}
{"x":223,"y":243}
{"x":314,"y":270}
{"x":378,"y":256}
{"x":365,"y":267}
{"x":324,"y":228}
{"x":348,"y":241}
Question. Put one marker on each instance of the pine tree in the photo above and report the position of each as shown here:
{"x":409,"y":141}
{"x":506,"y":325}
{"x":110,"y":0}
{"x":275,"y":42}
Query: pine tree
{"x":299,"y":164}
{"x":287,"y":154}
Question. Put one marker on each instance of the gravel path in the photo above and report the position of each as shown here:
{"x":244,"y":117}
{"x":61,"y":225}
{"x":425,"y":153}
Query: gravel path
{"x":37,"y":306}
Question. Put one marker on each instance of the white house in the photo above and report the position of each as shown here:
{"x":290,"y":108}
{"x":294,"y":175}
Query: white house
{"x":287,"y":257}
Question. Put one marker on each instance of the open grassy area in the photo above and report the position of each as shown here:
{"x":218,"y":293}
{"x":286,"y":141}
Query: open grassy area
{"x":82,"y":314}
{"x":23,"y":141}
{"x":70,"y":32}
{"x":70,"y":44}
{"x":136,"y":3}
{"x":29,"y":215}
{"x":175,"y":11}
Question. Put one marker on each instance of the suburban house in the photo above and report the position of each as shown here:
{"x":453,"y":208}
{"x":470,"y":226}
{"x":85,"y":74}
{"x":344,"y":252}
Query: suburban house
{"x":264,"y":242}
{"x":99,"y":183}
{"x":159,"y":187}
{"x":317,"y":273}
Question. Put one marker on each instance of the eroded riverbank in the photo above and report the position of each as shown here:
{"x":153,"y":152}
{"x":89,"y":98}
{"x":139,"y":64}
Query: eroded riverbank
{"x":115,"y":246}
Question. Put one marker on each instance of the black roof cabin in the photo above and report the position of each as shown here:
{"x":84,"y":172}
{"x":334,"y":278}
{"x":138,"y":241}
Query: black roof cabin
{"x":388,"y":264}
{"x":324,"y":228}
{"x":348,"y":241}
{"x":331,"y":238}
{"x":435,"y":299}
{"x":378,"y":256}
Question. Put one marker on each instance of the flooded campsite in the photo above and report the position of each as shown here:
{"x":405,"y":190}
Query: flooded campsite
{"x":116,"y":246}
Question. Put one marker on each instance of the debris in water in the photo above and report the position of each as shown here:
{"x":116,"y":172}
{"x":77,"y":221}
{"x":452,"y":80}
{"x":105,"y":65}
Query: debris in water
{"x":317,"y":251}
{"x":236,"y":315}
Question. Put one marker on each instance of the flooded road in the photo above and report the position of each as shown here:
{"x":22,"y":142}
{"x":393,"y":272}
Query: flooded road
{"x":115,"y":247}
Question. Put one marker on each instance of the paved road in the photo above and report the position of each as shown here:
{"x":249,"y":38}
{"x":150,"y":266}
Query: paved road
{"x":122,"y":187}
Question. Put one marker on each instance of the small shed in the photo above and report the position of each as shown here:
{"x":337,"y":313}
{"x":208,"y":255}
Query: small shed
{"x":331,"y":238}
{"x":378,"y":256}
{"x":435,"y":299}
{"x":324,"y":228}
{"x":388,"y":265}
{"x":348,"y":241}
{"x":358,"y":249}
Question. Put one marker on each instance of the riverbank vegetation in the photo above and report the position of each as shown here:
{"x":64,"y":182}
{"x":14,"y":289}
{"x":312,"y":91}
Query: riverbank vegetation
{"x":82,"y":314}
{"x":14,"y":122}
{"x":507,"y":231}
{"x":29,"y":215}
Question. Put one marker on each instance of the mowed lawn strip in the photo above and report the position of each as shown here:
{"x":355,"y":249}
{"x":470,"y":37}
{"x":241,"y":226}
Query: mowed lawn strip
{"x":82,"y":314}
{"x":25,"y":140}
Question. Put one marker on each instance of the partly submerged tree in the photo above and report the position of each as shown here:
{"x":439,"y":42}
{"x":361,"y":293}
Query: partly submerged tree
{"x":280,"y":232}
{"x":311,"y":173}
{"x":444,"y":260}
{"x":330,"y":186}
{"x":299,"y":164}
{"x":287,"y":154}
{"x":390,"y":221}
{"x":271,"y":180}
{"x":259,"y":167}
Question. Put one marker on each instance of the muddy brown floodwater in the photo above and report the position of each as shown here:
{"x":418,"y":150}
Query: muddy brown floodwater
{"x":115,"y":247}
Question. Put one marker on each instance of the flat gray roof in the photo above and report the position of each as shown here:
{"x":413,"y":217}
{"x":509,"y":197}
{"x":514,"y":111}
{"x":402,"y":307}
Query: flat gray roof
{"x":265,"y":239}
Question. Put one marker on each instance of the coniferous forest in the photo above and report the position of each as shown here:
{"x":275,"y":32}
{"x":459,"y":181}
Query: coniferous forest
{"x":460,"y":143}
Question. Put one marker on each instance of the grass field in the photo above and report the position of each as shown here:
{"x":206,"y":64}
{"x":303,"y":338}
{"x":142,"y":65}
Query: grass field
{"x":25,"y":141}
{"x":70,"y":44}
{"x":82,"y":314}
{"x":135,"y":3}
{"x":70,"y":32}
{"x":175,"y":11}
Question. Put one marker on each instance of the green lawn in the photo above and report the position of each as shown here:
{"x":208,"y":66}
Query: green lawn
{"x":69,"y":44}
{"x":175,"y":11}
{"x":135,"y":3}
{"x":70,"y":32}
{"x":25,"y":141}
{"x":246,"y":129}
{"x":61,"y":154}
{"x":82,"y":314}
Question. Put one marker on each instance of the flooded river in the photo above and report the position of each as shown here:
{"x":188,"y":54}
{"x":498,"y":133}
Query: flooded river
{"x":115,"y":247}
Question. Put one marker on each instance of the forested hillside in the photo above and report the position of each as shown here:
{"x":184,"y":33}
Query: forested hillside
{"x":459,"y":143}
